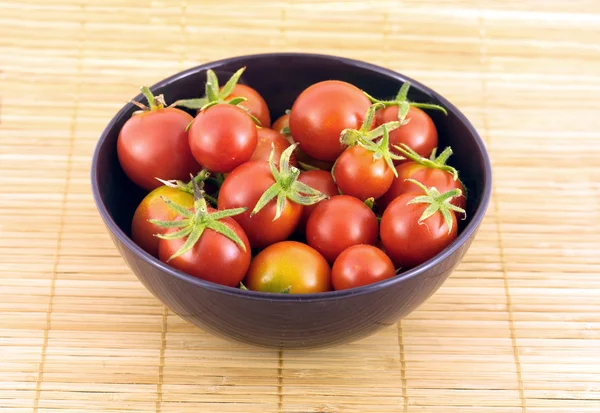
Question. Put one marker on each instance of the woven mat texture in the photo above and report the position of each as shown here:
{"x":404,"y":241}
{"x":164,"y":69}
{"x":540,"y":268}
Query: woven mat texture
{"x":515,"y":329}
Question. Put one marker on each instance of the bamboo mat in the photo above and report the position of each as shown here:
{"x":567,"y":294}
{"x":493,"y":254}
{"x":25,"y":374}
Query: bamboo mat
{"x":516,"y":328}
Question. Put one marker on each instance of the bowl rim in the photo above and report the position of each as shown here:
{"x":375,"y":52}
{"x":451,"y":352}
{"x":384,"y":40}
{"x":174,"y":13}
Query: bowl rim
{"x":463,"y":237}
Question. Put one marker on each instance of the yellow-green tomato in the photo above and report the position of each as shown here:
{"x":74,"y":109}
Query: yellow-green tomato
{"x":153,"y":207}
{"x":289,"y":267}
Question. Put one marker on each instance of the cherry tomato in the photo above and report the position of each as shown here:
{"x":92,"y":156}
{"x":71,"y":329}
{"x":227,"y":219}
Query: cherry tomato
{"x":243,"y":187}
{"x":153,"y":144}
{"x":153,"y":207}
{"x":222,"y":137}
{"x":338,"y":223}
{"x":255,"y":104}
{"x":360,"y":265}
{"x":322,"y":112}
{"x":321,"y":181}
{"x":357,"y":173}
{"x":281,"y":122}
{"x":289,"y":267}
{"x":214,"y":257}
{"x":267,"y":139}
{"x":443,"y":181}
{"x":419,"y":133}
{"x":409,"y":242}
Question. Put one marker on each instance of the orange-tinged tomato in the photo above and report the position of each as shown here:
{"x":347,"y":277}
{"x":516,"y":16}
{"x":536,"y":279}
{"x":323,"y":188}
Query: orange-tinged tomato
{"x":153,"y":207}
{"x":289,"y":267}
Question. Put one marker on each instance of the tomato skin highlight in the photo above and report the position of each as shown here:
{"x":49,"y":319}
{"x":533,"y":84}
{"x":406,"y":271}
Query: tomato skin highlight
{"x":213,"y":258}
{"x":266,"y":138}
{"x":321,"y":112}
{"x":361,"y":265}
{"x":243,"y":187}
{"x":222,"y":137}
{"x":430,"y":177}
{"x":321,"y":181}
{"x":255,"y":104}
{"x":289,"y":266}
{"x":419,"y":133}
{"x":409,"y":243}
{"x":153,"y":207}
{"x":339,"y":223}
{"x":358,"y":174}
{"x":154,"y":144}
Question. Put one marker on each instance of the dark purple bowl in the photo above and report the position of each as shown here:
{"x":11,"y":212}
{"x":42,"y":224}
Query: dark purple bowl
{"x":292,"y":321}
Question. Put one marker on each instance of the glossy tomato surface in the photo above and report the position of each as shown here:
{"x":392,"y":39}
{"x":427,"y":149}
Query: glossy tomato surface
{"x":289,"y":267}
{"x":322,"y":112}
{"x":153,"y":207}
{"x":255,"y":104}
{"x":410,"y":243}
{"x":361,"y":265}
{"x":359,"y":174}
{"x":243,"y":188}
{"x":154,"y":144}
{"x":430,"y":177}
{"x":419,"y":133}
{"x":321,"y":181}
{"x":213,"y":258}
{"x":222,"y":137}
{"x":338,"y":223}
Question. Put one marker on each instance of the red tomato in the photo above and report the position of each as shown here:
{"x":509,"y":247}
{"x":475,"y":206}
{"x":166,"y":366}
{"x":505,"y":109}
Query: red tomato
{"x":338,"y":223}
{"x":410,"y":243}
{"x":361,"y":265}
{"x":357,"y":173}
{"x":430,"y":177}
{"x":419,"y":133}
{"x":290,"y":267}
{"x":153,"y":207}
{"x":321,"y":181}
{"x":322,"y":112}
{"x":243,"y":187}
{"x":222,"y":137}
{"x":214,"y":257}
{"x":282,"y":122}
{"x":255,"y":104}
{"x":154,"y":144}
{"x":266,"y":138}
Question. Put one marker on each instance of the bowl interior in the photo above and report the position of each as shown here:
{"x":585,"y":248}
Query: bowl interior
{"x":280,"y":78}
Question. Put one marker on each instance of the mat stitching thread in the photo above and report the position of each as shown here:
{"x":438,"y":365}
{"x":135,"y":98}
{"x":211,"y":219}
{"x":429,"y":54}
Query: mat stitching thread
{"x":161,"y":362}
{"x":61,"y":224}
{"x":280,"y":381}
{"x":402,"y":366}
{"x":511,"y":321}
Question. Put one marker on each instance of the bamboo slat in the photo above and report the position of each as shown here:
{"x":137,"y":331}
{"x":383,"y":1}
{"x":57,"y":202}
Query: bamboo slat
{"x":515,"y":329}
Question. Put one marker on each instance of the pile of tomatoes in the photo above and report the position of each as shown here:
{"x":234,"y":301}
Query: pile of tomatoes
{"x":341,"y":191}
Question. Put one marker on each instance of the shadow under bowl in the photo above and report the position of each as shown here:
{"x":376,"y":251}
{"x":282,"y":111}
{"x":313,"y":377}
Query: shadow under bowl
{"x":292,"y":321}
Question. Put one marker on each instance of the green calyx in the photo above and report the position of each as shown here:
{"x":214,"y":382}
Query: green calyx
{"x":188,"y":187}
{"x":437,"y":203}
{"x":213,"y":95}
{"x":154,"y":102}
{"x":195,"y":222}
{"x":286,"y":185}
{"x":434,"y":162}
{"x":404,"y":104}
{"x":381,"y":149}
{"x":351,"y":137}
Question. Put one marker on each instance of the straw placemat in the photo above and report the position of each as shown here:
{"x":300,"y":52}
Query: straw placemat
{"x":515,"y":329}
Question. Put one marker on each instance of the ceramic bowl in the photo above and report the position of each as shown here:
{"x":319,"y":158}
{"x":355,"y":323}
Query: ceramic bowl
{"x":287,"y":320}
